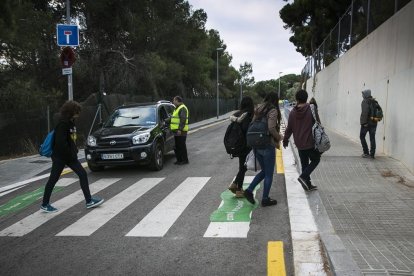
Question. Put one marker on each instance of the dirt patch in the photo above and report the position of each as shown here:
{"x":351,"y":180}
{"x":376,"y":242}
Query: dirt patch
{"x":325,"y":260}
{"x":400,"y":179}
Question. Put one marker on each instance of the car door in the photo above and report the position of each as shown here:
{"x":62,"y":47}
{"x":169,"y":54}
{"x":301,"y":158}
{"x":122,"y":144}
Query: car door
{"x":167,"y":133}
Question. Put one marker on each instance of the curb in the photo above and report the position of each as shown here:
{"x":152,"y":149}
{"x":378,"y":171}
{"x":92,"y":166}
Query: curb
{"x":340,"y":259}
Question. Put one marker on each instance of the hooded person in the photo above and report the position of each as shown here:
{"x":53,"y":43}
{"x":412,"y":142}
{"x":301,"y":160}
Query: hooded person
{"x":367,"y":125}
{"x":300,"y":124}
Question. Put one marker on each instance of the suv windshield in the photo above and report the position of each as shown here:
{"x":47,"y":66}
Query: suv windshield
{"x":134,"y":116}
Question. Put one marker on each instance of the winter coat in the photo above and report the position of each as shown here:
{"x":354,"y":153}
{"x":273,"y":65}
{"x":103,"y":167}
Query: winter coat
{"x":300,"y":124}
{"x":64,"y":146}
{"x":365,"y":106}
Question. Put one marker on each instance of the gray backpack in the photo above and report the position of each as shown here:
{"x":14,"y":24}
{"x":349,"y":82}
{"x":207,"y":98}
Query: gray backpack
{"x":320,"y":137}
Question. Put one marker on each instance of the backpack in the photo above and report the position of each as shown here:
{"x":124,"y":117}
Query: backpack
{"x":46,"y":148}
{"x":375,"y":111}
{"x":320,"y":137}
{"x":258,"y":136}
{"x":234,"y":140}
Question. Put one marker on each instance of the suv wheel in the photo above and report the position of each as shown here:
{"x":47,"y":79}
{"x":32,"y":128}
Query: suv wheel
{"x":95,"y":168}
{"x":157,"y":160}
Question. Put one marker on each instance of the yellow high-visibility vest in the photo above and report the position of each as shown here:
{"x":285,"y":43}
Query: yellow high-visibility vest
{"x":175,"y":119}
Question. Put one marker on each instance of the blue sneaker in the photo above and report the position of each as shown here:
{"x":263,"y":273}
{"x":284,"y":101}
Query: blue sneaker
{"x":95,"y":201}
{"x":48,"y":209}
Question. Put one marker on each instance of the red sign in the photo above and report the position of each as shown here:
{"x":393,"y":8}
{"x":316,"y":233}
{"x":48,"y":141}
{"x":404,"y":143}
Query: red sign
{"x":67,"y":57}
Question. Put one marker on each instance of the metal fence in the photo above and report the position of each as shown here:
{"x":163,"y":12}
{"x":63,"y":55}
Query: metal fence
{"x":360,"y":19}
{"x":22,"y":131}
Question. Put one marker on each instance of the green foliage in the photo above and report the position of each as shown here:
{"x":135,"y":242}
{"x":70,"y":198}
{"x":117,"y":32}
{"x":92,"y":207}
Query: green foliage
{"x":311,"y":21}
{"x":157,"y":49}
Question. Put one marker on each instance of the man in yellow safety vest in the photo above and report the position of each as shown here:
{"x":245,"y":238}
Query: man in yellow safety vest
{"x":179,"y":125}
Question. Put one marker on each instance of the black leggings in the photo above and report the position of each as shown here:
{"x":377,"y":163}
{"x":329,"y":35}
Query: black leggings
{"x":242,"y":171}
{"x":57,"y":168}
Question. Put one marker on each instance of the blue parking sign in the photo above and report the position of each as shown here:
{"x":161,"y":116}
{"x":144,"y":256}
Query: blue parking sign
{"x":67,"y":35}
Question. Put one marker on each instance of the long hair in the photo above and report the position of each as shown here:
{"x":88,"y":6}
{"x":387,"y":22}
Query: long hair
{"x":270,"y":101}
{"x":69,"y":109}
{"x":247,"y":105}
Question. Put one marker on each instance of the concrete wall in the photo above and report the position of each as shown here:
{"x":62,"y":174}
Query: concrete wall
{"x":384,"y":63}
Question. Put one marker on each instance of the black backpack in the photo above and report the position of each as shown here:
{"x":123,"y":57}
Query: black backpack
{"x":234,"y":140}
{"x":375,"y":111}
{"x":258,"y":136}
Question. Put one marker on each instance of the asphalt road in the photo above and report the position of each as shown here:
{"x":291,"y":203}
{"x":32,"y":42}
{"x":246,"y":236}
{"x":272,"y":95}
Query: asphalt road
{"x":109,"y":249}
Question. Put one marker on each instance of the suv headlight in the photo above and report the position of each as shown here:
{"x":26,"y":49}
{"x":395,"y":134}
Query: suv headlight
{"x":141,"y":138}
{"x":91,"y":141}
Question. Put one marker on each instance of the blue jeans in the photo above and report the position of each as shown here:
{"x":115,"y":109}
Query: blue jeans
{"x":267,"y":160}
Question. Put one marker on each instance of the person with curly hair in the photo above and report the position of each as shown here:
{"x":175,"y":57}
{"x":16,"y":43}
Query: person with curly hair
{"x":65,"y":153}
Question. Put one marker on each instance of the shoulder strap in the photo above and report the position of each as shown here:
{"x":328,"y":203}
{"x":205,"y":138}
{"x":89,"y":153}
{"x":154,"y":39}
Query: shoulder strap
{"x":312,"y":107}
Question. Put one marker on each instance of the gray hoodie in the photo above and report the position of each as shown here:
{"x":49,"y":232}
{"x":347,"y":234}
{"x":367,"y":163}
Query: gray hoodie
{"x":364,"y":119}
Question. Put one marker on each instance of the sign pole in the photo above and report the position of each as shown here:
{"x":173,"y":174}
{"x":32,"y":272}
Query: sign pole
{"x":70,"y":80}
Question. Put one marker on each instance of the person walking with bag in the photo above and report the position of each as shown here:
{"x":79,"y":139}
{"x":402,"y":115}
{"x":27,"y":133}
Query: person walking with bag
{"x":243,"y":117}
{"x":65,"y":153}
{"x":367,"y":125}
{"x":300,"y":124}
{"x":266,"y":155}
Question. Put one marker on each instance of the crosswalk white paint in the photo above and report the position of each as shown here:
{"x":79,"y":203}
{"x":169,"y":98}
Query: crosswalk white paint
{"x":38,"y":218}
{"x":95,"y":219}
{"x":229,"y":229}
{"x":162,"y":217}
{"x":66,"y":181}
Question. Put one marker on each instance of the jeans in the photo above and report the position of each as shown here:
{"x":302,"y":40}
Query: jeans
{"x":267,"y":160}
{"x":307,"y":168}
{"x":371,"y":129}
{"x":242,"y":171}
{"x":57,"y":168}
{"x":180,"y":148}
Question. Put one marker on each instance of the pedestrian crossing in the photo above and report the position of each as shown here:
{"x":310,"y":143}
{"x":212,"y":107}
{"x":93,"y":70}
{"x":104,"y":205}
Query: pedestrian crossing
{"x":155,"y":224}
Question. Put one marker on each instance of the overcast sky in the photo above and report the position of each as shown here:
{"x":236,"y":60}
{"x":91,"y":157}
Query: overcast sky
{"x":253,"y":32}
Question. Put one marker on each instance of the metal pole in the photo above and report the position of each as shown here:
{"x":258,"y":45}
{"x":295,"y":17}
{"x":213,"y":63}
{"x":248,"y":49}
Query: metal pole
{"x":217,"y":84}
{"x":339,"y":37}
{"x":350,"y":31}
{"x":278,"y":93}
{"x":48,"y":119}
{"x":241,"y":91}
{"x":70,"y":80}
{"x":396,"y":6}
{"x":368,"y":12}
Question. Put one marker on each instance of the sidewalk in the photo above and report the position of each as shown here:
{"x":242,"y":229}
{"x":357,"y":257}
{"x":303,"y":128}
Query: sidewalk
{"x":16,"y":170}
{"x":364,"y":210}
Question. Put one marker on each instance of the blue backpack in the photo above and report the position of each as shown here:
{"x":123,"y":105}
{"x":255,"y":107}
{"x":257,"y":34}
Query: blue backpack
{"x":46,"y":148}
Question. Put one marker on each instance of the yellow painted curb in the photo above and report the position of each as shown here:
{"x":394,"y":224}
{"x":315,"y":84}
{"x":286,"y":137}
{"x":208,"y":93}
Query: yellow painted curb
{"x":280,"y":168}
{"x":66,"y":171}
{"x":275,"y":259}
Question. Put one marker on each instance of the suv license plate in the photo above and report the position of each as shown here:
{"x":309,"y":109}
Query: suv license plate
{"x":112,"y":156}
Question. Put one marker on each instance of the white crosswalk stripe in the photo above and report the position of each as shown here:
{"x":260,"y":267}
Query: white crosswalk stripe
{"x":162,"y":217}
{"x":91,"y":222}
{"x":38,"y":218}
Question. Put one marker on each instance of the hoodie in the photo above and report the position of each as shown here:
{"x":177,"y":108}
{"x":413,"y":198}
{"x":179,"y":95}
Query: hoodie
{"x":300,"y":124}
{"x":364,"y":119}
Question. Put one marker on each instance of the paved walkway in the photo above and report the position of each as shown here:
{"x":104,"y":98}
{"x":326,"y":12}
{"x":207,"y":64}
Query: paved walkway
{"x":370,"y":205}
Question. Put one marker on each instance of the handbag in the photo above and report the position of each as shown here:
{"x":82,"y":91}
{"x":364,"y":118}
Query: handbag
{"x":251,"y":162}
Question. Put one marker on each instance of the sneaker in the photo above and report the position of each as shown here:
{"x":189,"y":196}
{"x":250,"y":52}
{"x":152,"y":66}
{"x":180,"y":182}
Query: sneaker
{"x":48,"y":209}
{"x":365,"y":155}
{"x":249,"y":196}
{"x":233,"y":187}
{"x":95,"y":202}
{"x":239,"y":193}
{"x":303,"y":183}
{"x":310,"y":186}
{"x":269,"y":202}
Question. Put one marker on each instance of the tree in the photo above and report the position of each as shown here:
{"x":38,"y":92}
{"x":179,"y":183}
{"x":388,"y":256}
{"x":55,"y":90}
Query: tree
{"x":311,"y":21}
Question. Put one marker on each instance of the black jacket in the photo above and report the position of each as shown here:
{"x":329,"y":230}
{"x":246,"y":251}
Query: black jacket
{"x":64,"y":146}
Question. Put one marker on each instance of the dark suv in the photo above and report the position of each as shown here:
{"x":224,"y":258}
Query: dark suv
{"x":133,"y":134}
